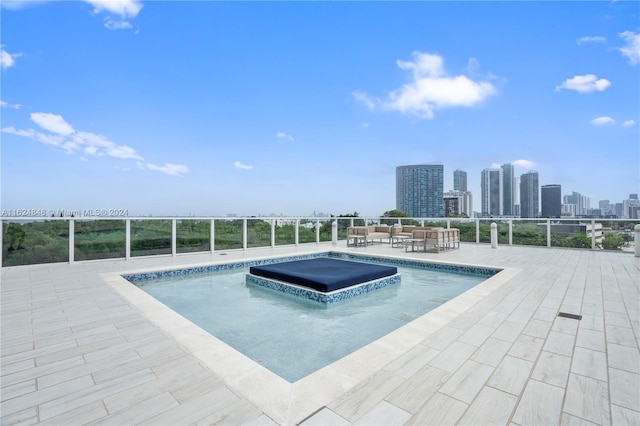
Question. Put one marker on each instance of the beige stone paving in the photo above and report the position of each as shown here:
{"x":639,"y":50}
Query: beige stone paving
{"x":75,"y":351}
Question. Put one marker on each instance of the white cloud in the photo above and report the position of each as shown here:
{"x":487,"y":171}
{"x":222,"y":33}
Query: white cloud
{"x":7,"y":60}
{"x":629,"y":123}
{"x":54,"y":140}
{"x":585,"y":84}
{"x":94,"y":144}
{"x":365,"y":99}
{"x":431,"y":88}
{"x":62,"y":135}
{"x":591,"y":39}
{"x":52,"y":122}
{"x":116,"y":25}
{"x":282,"y":135}
{"x":170,"y":169}
{"x":366,"y":125}
{"x":632,"y":48}
{"x":4,"y":104}
{"x":603,"y":121}
{"x":239,"y":165}
{"x":124,"y":8}
{"x":525,"y":164}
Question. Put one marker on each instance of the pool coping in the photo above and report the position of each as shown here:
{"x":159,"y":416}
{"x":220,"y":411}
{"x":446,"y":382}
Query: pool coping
{"x":290,"y":403}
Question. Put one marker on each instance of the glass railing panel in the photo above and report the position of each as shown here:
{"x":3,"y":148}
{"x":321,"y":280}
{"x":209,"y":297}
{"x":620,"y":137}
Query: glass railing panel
{"x":409,"y":222}
{"x":389,"y":221}
{"x":503,"y":232}
{"x":285,"y":232}
{"x":325,"y":229}
{"x":307,"y":231}
{"x":619,"y":235}
{"x":228,"y":234}
{"x":467,"y":230}
{"x":258,"y":233}
{"x":150,"y":237}
{"x":30,"y":242}
{"x":435,"y":223}
{"x":563,"y":236}
{"x":99,"y":239}
{"x":529,"y":233}
{"x":343,"y":225}
{"x":485,"y":231}
{"x":193,"y":236}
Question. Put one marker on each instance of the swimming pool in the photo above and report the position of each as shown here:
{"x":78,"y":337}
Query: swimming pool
{"x":292,"y":337}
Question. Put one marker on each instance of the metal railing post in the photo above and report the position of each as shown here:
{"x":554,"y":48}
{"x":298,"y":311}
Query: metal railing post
{"x":273,"y":233}
{"x":127,"y":239}
{"x":593,"y":234}
{"x":174,"y":237}
{"x":548,"y":232}
{"x":477,"y":231}
{"x":72,"y":234}
{"x":317,"y":231}
{"x":244,"y":234}
{"x":510,"y":232}
{"x":212,"y":236}
{"x":297,"y":232}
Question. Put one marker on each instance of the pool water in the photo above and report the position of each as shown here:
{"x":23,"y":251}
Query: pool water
{"x":293,"y":337}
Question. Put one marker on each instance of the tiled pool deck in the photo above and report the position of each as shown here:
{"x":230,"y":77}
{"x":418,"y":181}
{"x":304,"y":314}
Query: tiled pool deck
{"x":80,"y":345}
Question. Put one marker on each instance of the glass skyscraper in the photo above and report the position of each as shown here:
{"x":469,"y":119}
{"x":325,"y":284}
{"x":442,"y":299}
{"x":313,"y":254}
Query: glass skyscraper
{"x":420,"y":189}
{"x":508,"y":189}
{"x":490,"y":192}
{"x":551,"y":200}
{"x":529,"y":195}
{"x":459,"y":180}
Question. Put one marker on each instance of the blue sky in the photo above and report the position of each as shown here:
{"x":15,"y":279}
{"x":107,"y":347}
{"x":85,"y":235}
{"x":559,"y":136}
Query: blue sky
{"x":211,"y":108}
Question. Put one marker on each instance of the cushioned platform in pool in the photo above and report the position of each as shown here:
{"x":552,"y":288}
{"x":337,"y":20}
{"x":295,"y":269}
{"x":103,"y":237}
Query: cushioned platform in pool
{"x":323,"y":274}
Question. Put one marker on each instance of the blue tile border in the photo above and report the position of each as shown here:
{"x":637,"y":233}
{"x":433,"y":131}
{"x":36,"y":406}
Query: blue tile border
{"x":318,"y":297}
{"x":458,"y":269}
{"x":419,"y":264}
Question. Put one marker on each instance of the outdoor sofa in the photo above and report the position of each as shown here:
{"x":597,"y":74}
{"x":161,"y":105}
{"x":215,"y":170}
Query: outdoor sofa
{"x":429,"y":237}
{"x":357,"y":235}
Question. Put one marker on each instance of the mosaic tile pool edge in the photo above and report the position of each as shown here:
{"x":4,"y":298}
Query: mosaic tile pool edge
{"x":323,"y":298}
{"x":460,"y":269}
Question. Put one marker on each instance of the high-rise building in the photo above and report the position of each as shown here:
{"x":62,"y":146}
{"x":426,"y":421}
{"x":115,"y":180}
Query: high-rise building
{"x":582,"y":202}
{"x":462,"y":203}
{"x":490,"y":192}
{"x":459,"y":180}
{"x":419,"y":190}
{"x":551,"y":196}
{"x":529,"y":194}
{"x":508,"y":188}
{"x":617,"y":209}
{"x":605,"y":207}
{"x":631,"y":207}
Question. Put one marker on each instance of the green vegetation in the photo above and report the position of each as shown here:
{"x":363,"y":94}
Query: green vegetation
{"x":99,"y":239}
{"x":615,"y":241}
{"x":192,"y":236}
{"x":35,"y":242}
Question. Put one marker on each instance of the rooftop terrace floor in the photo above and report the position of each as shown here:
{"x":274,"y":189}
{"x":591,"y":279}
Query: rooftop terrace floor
{"x":79,"y":345}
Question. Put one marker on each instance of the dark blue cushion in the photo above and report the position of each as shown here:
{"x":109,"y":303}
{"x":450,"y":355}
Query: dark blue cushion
{"x":323,"y":274}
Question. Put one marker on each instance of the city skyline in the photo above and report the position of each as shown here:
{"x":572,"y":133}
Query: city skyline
{"x":210,"y":108}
